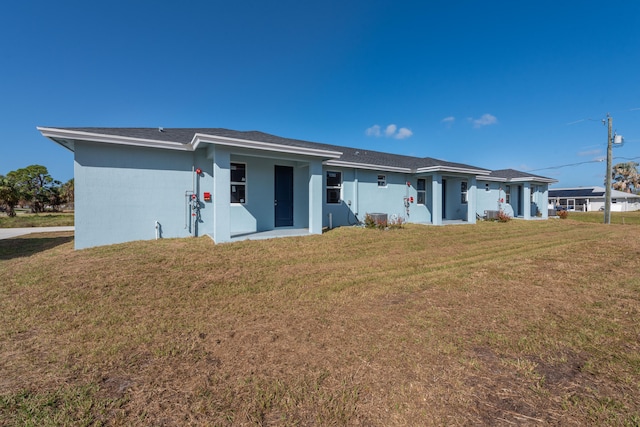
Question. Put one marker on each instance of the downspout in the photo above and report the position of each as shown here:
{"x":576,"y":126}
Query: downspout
{"x":356,"y":208}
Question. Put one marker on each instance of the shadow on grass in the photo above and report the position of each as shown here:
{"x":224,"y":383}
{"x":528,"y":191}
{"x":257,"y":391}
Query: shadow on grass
{"x":24,"y":246}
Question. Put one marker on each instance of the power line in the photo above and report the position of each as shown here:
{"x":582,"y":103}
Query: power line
{"x":567,"y":165}
{"x":582,"y":163}
{"x":627,"y":158}
{"x":601,"y":120}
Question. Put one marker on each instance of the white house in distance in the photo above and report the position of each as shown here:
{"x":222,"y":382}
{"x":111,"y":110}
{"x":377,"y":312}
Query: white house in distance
{"x":145,"y":183}
{"x":588,"y":199}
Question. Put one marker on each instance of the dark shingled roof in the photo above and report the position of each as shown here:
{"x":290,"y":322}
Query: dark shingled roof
{"x":352,"y":155}
{"x":514,"y":174}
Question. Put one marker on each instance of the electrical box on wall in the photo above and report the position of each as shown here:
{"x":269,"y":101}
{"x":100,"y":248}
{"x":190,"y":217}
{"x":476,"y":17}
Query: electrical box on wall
{"x":207,"y":196}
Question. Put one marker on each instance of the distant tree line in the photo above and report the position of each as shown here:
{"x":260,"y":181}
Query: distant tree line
{"x":34,"y":188}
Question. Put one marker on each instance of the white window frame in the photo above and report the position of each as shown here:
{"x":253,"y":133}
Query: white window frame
{"x":533,"y":189}
{"x":507,"y":194}
{"x":464,"y":192}
{"x":382,"y":181}
{"x":423,"y":191}
{"x":238,"y":183}
{"x":333,"y":187}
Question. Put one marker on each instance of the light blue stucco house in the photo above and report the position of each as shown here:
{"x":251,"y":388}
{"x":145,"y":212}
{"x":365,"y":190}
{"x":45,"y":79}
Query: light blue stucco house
{"x":146,"y":183}
{"x":518,"y":194}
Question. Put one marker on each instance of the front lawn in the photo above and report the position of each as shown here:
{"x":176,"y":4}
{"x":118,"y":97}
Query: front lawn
{"x":524,"y":322}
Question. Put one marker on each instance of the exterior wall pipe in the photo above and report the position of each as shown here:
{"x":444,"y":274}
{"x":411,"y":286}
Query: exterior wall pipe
{"x":356,"y":206}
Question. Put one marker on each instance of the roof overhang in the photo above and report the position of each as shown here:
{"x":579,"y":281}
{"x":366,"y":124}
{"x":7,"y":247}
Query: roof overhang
{"x":452,"y":169}
{"x":491,"y":178}
{"x":200,"y":138}
{"x":67,"y":138}
{"x":518,"y":179}
{"x":339,"y":163}
{"x":533,"y":179}
{"x":384,"y":168}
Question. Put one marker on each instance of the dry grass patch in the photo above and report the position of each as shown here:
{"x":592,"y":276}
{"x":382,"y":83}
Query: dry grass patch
{"x":498,"y":323}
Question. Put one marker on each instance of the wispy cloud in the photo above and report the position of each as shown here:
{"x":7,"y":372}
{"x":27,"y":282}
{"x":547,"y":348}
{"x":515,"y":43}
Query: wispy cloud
{"x":373,"y":131}
{"x":403,"y":133}
{"x":390,"y":131}
{"x":576,"y":121}
{"x":589,"y":153}
{"x":448,"y":121}
{"x":484,"y":120}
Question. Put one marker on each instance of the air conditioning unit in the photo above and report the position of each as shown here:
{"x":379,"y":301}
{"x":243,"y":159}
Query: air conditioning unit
{"x":491,"y":214}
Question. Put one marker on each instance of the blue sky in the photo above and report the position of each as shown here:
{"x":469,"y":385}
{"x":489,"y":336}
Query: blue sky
{"x":495,"y":84}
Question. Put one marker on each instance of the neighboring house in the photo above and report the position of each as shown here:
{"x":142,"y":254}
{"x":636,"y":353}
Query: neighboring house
{"x":141,"y":183}
{"x":518,"y":194}
{"x":588,"y":199}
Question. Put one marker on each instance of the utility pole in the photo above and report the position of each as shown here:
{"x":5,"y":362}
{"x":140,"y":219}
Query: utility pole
{"x":607,"y":189}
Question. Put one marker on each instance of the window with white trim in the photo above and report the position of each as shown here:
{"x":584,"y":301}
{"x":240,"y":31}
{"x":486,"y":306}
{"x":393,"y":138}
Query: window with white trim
{"x":238,"y":183}
{"x":507,"y":194}
{"x":464,"y":192}
{"x":334,"y":186}
{"x":421,"y":188}
{"x":534,"y":189}
{"x":382,"y":180}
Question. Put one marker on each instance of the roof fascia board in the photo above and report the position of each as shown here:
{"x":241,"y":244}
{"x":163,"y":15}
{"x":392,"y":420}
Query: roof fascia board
{"x":453,"y":169}
{"x":533,"y":179}
{"x":200,"y":138}
{"x":343,"y":164}
{"x":75,"y":135}
{"x":491,"y":178}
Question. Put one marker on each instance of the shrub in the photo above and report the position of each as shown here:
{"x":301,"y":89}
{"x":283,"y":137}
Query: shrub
{"x":396,"y":222}
{"x":563,"y":214}
{"x":369,"y":222}
{"x":393,"y":223}
{"x":503,"y":217}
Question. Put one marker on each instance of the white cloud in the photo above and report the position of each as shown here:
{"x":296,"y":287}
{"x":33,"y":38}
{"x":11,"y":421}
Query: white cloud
{"x":403,"y":133}
{"x":448,"y":120}
{"x":485,"y":120}
{"x":373,"y":131}
{"x":390,"y":131}
{"x":589,"y":153}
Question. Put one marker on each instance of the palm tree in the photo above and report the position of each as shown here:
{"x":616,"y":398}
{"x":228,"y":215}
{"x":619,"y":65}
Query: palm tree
{"x":625,"y":177}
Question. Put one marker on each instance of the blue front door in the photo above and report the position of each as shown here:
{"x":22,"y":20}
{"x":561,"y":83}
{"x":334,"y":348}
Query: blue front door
{"x":283,"y":196}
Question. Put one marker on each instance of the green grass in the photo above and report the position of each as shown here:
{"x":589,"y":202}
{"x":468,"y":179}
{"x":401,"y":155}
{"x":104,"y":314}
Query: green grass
{"x":525,"y":322}
{"x":36,"y":220}
{"x":71,"y":405}
{"x":627,"y":218}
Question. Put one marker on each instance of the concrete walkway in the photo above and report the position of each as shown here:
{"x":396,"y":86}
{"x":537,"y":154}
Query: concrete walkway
{"x":8,"y":233}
